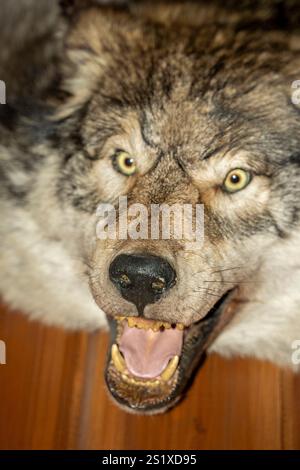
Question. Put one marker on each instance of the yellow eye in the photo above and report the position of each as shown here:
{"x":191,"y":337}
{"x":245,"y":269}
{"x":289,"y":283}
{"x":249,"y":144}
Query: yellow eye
{"x":236,"y":180}
{"x":124,"y":163}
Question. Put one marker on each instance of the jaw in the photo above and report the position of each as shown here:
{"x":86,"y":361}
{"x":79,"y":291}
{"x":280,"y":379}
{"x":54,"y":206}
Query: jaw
{"x":137,"y":390}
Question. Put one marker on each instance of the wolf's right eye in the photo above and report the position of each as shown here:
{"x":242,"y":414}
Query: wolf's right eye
{"x":124,"y":163}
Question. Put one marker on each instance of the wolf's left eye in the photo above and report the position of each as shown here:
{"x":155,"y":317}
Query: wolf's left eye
{"x":124,"y":163}
{"x":236,"y":180}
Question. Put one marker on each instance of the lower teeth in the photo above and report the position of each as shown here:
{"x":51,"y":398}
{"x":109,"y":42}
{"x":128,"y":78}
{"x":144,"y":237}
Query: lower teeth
{"x":120,"y":365}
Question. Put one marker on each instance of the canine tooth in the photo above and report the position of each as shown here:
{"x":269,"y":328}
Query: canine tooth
{"x":170,"y":369}
{"x":117,"y":358}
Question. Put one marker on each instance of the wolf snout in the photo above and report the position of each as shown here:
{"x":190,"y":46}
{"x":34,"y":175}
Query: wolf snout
{"x":141,"y":278}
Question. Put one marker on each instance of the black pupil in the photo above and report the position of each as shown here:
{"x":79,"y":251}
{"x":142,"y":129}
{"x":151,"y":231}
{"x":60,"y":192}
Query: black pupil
{"x":128,"y":161}
{"x":235,"y":178}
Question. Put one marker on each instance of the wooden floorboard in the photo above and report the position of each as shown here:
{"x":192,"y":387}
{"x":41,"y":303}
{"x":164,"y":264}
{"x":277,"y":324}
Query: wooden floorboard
{"x":53,"y":396}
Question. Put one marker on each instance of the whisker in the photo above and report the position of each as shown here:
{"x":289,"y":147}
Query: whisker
{"x":208,"y":293}
{"x":234,"y":282}
{"x":226,"y":269}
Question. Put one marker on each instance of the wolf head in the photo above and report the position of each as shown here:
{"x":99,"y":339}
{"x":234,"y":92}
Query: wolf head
{"x":188,"y":107}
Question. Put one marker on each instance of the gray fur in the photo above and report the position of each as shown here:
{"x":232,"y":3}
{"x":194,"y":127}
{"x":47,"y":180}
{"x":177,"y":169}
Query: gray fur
{"x":195,"y":98}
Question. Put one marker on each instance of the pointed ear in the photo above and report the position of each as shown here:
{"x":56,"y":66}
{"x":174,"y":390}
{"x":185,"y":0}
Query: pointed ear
{"x":89,"y":44}
{"x":29,"y":47}
{"x":83,"y":58}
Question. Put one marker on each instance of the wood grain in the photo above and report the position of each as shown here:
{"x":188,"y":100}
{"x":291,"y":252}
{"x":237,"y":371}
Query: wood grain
{"x":53,"y":396}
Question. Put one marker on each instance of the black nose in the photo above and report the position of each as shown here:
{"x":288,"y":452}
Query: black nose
{"x":141,"y":279}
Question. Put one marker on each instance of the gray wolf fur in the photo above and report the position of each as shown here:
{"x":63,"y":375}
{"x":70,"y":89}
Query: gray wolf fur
{"x":191,"y":91}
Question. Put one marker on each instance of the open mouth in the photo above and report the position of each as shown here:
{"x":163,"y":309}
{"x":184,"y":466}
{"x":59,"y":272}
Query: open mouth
{"x":150,"y":363}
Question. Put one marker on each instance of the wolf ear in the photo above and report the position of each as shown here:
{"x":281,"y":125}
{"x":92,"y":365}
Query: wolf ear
{"x":29,"y":48}
{"x":32,"y":35}
{"x":89,"y":42}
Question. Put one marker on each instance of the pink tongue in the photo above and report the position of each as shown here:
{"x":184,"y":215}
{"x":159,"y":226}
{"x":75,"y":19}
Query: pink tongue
{"x":146,"y":352}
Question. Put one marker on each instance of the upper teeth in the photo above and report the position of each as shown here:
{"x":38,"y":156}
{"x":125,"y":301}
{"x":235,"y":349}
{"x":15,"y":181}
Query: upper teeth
{"x":144,"y":323}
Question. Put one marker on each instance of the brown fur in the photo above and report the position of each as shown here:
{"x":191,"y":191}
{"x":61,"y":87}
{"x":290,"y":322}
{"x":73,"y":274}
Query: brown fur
{"x":191,"y":92}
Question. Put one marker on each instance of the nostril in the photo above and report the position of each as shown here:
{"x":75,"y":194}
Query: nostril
{"x":159,"y":285}
{"x":124,"y":280}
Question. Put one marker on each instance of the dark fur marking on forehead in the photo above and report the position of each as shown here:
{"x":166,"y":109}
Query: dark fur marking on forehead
{"x":178,"y":160}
